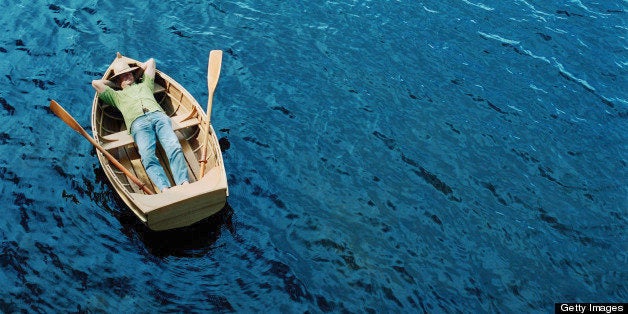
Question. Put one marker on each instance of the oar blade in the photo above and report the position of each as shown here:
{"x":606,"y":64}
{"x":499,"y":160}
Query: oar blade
{"x":65,"y":116}
{"x":213,"y":69}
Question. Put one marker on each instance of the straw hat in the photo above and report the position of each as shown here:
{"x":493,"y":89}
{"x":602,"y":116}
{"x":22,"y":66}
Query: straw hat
{"x":120,"y":67}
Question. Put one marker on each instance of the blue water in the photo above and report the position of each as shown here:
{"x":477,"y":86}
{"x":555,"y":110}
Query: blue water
{"x":382,"y":156}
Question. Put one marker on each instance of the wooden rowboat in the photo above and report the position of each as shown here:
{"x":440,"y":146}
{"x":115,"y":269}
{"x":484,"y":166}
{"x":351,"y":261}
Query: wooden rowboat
{"x":181,"y":205}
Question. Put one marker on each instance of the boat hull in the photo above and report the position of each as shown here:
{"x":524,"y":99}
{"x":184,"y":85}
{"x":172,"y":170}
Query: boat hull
{"x":180,"y":206}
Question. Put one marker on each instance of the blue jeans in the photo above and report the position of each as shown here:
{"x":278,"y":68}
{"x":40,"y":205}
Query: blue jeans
{"x":146,"y":130}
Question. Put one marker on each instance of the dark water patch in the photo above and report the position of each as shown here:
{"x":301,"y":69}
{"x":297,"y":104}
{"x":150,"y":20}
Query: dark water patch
{"x":70,"y":197}
{"x":547,"y":172}
{"x":85,"y":188}
{"x":93,"y":74}
{"x":54,"y":8}
{"x":259,"y":191}
{"x":475,"y":97}
{"x":178,"y":32}
{"x":8,"y":175}
{"x":325,"y":305}
{"x":54,"y":211}
{"x":527,"y":157}
{"x":545,"y":36}
{"x":341,"y":251}
{"x":572,"y":79}
{"x":255,"y":141}
{"x":7,"y":107}
{"x":390,"y":295}
{"x":515,"y":49}
{"x":612,"y":76}
{"x":217,"y":8}
{"x":21,"y":200}
{"x":103,"y":27}
{"x":81,"y":277}
{"x":8,"y":305}
{"x":232,"y":53}
{"x":451,"y":127}
{"x":41,"y":84}
{"x":21,"y":46}
{"x":119,"y":285}
{"x":64,"y":24}
{"x":3,"y":50}
{"x":435,"y":219}
{"x":163,"y":298}
{"x":457,"y":81}
{"x":49,"y":255}
{"x":492,"y":106}
{"x":89,"y":11}
{"x":606,"y":101}
{"x":423,"y":97}
{"x":489,"y":186}
{"x":474,"y":290}
{"x":389,"y":142}
{"x":14,"y":257}
{"x":292,"y":285}
{"x":570,"y":231}
{"x":430,"y":178}
{"x":60,"y":171}
{"x":366,"y":287}
{"x":339,"y":168}
{"x":350,"y":262}
{"x":405,"y":274}
{"x":568,"y":14}
{"x":4,"y":137}
{"x":586,"y":87}
{"x":376,"y":223}
{"x":219,"y":304}
{"x":284,"y":111}
{"x":24,"y":219}
{"x":224,"y":144}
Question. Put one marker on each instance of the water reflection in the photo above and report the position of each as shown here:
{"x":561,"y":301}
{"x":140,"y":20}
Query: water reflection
{"x":196,"y":240}
{"x":191,"y":241}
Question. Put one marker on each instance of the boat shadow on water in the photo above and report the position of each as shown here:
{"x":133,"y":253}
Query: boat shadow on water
{"x":196,"y":240}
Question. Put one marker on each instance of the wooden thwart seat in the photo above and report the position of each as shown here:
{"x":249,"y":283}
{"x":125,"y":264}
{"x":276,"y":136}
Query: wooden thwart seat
{"x":123,"y":138}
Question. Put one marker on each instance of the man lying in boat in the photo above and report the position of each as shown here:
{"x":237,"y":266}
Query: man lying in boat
{"x":147,"y":120}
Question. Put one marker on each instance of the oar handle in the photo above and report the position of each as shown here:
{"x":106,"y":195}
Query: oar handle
{"x":69,"y":120}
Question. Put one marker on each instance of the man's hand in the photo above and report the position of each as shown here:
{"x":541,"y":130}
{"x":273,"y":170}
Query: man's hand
{"x":149,"y":67}
{"x":101,"y":85}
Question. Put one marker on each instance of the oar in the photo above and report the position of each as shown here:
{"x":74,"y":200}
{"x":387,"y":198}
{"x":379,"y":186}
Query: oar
{"x":69,"y":120}
{"x":213,"y":73}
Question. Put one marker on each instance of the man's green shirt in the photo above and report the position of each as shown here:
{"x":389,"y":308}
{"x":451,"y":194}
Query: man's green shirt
{"x":133,"y":101}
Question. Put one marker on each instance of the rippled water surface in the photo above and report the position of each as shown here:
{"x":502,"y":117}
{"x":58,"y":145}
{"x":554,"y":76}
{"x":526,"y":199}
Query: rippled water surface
{"x":382,"y":156}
